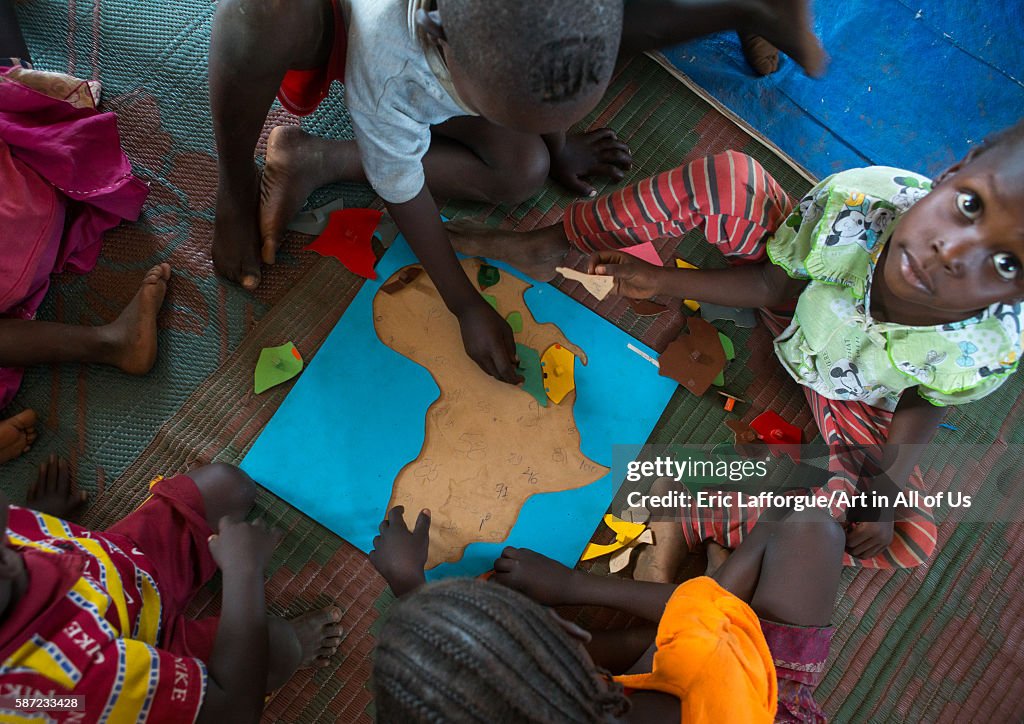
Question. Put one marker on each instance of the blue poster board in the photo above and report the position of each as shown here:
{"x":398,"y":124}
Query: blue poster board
{"x":355,"y":417}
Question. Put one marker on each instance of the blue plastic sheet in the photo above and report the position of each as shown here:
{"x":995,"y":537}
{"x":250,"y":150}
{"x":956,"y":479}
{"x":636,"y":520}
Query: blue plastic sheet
{"x":356,"y":416}
{"x":910,"y":85}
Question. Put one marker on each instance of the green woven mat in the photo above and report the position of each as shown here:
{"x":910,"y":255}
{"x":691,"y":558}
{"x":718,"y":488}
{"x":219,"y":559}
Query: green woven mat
{"x":939,"y":642}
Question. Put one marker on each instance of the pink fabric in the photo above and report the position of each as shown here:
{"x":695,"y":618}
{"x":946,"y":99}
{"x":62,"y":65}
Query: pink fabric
{"x":65,"y":182}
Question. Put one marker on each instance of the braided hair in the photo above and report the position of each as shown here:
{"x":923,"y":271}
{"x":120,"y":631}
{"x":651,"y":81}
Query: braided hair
{"x":468,"y":651}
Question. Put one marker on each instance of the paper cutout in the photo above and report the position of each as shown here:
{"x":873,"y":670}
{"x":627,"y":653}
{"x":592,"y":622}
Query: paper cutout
{"x":348,"y":238}
{"x":688,"y":303}
{"x":529,"y":368}
{"x":781,"y":436}
{"x":599,"y":286}
{"x":487,"y":276}
{"x":621,"y":559}
{"x":635,"y":514}
{"x":730,"y":355}
{"x":645,"y":252}
{"x":647,"y":308}
{"x":730,"y":401}
{"x":625,"y":533}
{"x":314,"y":221}
{"x":491,"y":299}
{"x":559,"y":370}
{"x":276,"y":365}
{"x":515,"y":321}
{"x":695,"y":359}
{"x":739,"y":316}
{"x":406,"y":277}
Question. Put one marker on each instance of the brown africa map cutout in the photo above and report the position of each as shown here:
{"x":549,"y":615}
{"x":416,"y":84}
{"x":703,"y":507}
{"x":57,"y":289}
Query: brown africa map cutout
{"x":487,"y":445}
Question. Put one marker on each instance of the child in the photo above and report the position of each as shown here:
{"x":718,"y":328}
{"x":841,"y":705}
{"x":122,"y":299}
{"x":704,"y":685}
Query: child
{"x":450,"y":99}
{"x":747,"y":644}
{"x":907,"y":299}
{"x":65,"y":182}
{"x":100,"y":615}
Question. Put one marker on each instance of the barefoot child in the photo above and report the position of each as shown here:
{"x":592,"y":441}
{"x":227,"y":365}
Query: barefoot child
{"x":453,"y":98}
{"x":746,"y":644}
{"x":907,"y":300}
{"x":100,"y":615}
{"x":65,"y":182}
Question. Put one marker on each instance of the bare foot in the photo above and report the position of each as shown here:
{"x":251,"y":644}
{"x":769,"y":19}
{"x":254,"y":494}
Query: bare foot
{"x":298,"y":164}
{"x":761,"y":55}
{"x":544,"y":580}
{"x":717,"y":556}
{"x":17,"y":435}
{"x":789,"y":26}
{"x":236,"y":231}
{"x":53,"y":493}
{"x":133,"y":333}
{"x":534,"y":253}
{"x":400,"y":554}
{"x":319,"y":635}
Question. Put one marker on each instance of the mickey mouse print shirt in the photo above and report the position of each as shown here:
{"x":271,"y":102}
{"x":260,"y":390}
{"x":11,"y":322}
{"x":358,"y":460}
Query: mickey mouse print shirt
{"x":834,"y":239}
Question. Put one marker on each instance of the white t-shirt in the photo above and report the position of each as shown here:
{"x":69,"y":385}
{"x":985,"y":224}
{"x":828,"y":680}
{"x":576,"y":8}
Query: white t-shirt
{"x":393,"y":95}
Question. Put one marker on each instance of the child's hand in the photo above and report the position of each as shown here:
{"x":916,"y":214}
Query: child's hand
{"x":634,"y":278}
{"x":489,"y":342}
{"x":868,"y":539}
{"x":51,"y":493}
{"x":400,"y":555}
{"x":544,"y":580}
{"x":243,"y":545}
{"x":598,"y":153}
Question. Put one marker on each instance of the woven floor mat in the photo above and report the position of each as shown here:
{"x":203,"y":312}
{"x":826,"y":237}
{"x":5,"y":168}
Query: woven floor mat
{"x":937,"y":643}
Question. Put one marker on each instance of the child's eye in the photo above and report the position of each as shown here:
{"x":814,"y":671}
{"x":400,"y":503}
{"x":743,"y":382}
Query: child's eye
{"x":1007,"y":265}
{"x":968,"y":204}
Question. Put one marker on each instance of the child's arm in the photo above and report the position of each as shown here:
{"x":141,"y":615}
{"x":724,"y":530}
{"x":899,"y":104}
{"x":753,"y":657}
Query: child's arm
{"x":486,"y":336}
{"x":913,"y":425}
{"x":239,"y":662}
{"x":575,"y":156}
{"x":750,"y":285}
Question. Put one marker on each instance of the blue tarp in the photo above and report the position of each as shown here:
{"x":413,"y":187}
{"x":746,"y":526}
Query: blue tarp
{"x":910,"y":84}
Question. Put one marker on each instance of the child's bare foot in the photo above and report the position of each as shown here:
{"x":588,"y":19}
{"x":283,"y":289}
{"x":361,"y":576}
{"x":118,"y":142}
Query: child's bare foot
{"x":761,"y":55}
{"x":544,"y":580}
{"x":297,"y":165}
{"x":400,"y":555}
{"x":133,"y":333}
{"x":236,"y":231}
{"x":717,"y":556}
{"x":53,"y":493}
{"x":319,"y":635}
{"x":17,"y":435}
{"x":789,"y":26}
{"x":534,"y":253}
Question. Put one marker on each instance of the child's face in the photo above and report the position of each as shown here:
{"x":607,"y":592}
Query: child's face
{"x":961,"y":247}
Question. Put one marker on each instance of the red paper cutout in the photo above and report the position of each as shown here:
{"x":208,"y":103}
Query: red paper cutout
{"x":781,"y":436}
{"x":348,"y":239}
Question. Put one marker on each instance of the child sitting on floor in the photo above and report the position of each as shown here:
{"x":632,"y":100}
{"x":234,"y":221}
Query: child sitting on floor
{"x":747,"y":644}
{"x":64,"y":181}
{"x":907,"y":291}
{"x":453,"y":98}
{"x":101,"y":615}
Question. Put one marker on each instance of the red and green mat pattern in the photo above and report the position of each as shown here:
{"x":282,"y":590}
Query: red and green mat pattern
{"x":939,"y":643}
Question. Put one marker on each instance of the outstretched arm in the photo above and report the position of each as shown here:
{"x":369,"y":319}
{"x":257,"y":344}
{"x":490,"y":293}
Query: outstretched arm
{"x":750,"y":285}
{"x":487,"y":337}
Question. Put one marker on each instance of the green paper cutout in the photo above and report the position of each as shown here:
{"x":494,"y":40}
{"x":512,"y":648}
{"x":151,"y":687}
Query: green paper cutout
{"x":529,"y":368}
{"x":487,"y":276}
{"x":492,"y":300}
{"x":276,"y":365}
{"x":515,"y":321}
{"x":730,"y":354}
